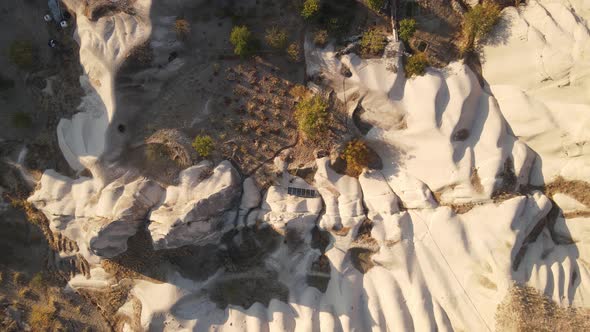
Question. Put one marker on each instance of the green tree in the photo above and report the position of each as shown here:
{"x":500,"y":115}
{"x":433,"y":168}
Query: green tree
{"x":372,"y":42}
{"x":276,"y":37}
{"x":241,"y":39}
{"x":416,"y":65}
{"x":407,"y":28}
{"x":478,"y":22}
{"x":204,"y":145}
{"x":375,"y":5}
{"x":312,"y":116}
{"x":310,"y":8}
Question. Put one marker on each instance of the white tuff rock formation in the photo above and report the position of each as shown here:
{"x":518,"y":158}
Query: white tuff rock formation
{"x":194,"y":212}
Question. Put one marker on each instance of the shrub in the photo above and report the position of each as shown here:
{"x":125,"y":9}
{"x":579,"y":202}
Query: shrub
{"x":310,"y":8}
{"x":312,"y":116}
{"x":182,"y":28}
{"x":294,"y":52}
{"x":356,"y":155}
{"x":416,"y":65}
{"x":21,"y":120}
{"x":276,"y":38}
{"x":407,"y":28}
{"x":241,"y":39}
{"x":320,"y":38}
{"x":478,"y":22}
{"x":375,"y":5}
{"x":372,"y":42}
{"x":203,"y":144}
{"x":21,"y":53}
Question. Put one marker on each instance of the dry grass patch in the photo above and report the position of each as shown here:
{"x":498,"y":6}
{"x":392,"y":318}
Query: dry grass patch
{"x":580,"y":190}
{"x":525,"y":309}
{"x":43,"y":317}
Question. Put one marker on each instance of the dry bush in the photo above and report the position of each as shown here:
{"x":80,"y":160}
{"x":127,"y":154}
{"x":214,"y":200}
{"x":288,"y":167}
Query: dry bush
{"x":276,"y":37}
{"x":182,"y":28}
{"x":320,"y":38}
{"x":298,"y":91}
{"x":525,"y":309}
{"x":294,"y":52}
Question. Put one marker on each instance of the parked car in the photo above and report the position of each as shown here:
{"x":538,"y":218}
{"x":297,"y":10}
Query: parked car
{"x":56,"y":14}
